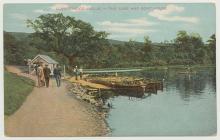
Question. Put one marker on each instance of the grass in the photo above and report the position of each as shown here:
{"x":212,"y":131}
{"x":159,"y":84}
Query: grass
{"x":16,"y":89}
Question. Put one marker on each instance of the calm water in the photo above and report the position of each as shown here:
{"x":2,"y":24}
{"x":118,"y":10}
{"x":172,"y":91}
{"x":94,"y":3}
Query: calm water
{"x":186,"y":106}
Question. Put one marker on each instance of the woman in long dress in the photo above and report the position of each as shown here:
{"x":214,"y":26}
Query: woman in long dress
{"x":40,"y":76}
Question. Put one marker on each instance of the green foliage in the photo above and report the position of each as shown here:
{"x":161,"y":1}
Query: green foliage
{"x":191,"y":48}
{"x":75,"y":39}
{"x":211,"y":48}
{"x":13,"y":50}
{"x":16,"y":90}
{"x":158,"y":62}
{"x":147,"y":45}
{"x":75,"y":42}
{"x":147,"y":49}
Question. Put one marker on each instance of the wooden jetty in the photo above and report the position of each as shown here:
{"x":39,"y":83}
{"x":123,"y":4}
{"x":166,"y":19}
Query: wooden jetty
{"x":121,"y":85}
{"x":129,"y":84}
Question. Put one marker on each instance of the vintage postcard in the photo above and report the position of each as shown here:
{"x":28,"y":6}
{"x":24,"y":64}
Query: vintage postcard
{"x":109,"y":69}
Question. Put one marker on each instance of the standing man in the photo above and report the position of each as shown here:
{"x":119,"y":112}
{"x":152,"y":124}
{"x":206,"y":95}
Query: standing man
{"x":81,"y":73}
{"x":35,"y":68}
{"x":47,"y":75}
{"x":57,"y":75}
{"x":75,"y":70}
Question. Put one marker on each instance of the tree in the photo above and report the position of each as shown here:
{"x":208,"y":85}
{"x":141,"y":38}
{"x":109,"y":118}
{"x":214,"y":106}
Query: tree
{"x":198,"y":50}
{"x":147,"y":44}
{"x":212,"y":48}
{"x":147,"y":48}
{"x":14,"y":51}
{"x":182,"y":41}
{"x":68,"y":36}
{"x":190,"y":47}
{"x":130,"y":50}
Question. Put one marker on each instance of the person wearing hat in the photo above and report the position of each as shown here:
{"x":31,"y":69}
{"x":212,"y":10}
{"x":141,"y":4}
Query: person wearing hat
{"x":47,"y":75}
{"x":57,"y":75}
{"x":80,"y":73}
{"x":40,"y":75}
{"x":75,"y":70}
{"x":36,"y":67}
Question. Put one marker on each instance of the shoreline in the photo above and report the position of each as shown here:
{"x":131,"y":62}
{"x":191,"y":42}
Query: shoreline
{"x":90,"y":93}
{"x":94,"y":107}
{"x":102,"y":122}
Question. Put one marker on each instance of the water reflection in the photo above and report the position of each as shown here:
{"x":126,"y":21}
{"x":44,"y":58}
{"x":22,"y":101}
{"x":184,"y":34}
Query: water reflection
{"x":186,"y":84}
{"x":187,"y":103}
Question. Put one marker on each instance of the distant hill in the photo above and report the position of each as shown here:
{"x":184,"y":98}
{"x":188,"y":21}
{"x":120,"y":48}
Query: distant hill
{"x":155,"y":44}
{"x":118,"y":42}
{"x":22,"y":36}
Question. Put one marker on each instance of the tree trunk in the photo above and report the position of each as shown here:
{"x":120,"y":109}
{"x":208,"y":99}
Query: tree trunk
{"x":71,"y":60}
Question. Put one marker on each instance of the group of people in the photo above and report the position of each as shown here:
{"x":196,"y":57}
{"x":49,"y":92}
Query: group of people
{"x":43,"y":75}
{"x":78,"y":72}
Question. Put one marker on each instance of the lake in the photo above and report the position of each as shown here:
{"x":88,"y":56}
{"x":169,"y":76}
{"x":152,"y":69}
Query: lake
{"x":185,"y":107}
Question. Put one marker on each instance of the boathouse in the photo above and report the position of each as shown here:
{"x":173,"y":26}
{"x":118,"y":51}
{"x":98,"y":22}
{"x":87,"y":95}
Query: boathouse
{"x":45,"y":60}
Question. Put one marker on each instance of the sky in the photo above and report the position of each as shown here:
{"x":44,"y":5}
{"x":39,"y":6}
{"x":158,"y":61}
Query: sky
{"x":123,"y":21}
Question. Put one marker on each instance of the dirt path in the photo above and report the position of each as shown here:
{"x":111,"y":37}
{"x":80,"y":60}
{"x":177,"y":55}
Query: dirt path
{"x":54,"y":112}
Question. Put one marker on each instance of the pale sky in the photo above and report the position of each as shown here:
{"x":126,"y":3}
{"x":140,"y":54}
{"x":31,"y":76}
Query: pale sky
{"x":123,"y":21}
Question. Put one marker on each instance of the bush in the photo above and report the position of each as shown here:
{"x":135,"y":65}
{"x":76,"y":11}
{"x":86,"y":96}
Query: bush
{"x":158,"y":62}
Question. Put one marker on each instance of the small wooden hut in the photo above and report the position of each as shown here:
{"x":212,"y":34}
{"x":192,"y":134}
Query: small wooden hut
{"x":45,"y":60}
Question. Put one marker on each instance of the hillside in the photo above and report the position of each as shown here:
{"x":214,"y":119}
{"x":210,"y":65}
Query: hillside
{"x":23,"y":35}
{"x":20,"y":35}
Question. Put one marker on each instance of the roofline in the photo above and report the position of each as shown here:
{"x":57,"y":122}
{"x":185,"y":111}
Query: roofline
{"x":43,"y":59}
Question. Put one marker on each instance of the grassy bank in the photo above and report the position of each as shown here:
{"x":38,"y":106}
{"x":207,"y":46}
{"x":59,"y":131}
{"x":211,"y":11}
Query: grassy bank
{"x":16,"y":89}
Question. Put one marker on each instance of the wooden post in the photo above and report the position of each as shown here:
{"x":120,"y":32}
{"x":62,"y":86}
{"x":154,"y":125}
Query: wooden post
{"x":29,"y":68}
{"x":64,"y":71}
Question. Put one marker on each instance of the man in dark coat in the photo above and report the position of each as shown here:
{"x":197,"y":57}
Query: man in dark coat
{"x":36,"y":67}
{"x":57,"y":75}
{"x":47,"y":75}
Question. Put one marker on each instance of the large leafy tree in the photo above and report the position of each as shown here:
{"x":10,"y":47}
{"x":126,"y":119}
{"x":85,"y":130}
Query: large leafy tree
{"x":190,"y":47}
{"x":70,"y":37}
{"x":182,"y":41}
{"x":197,"y":49}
